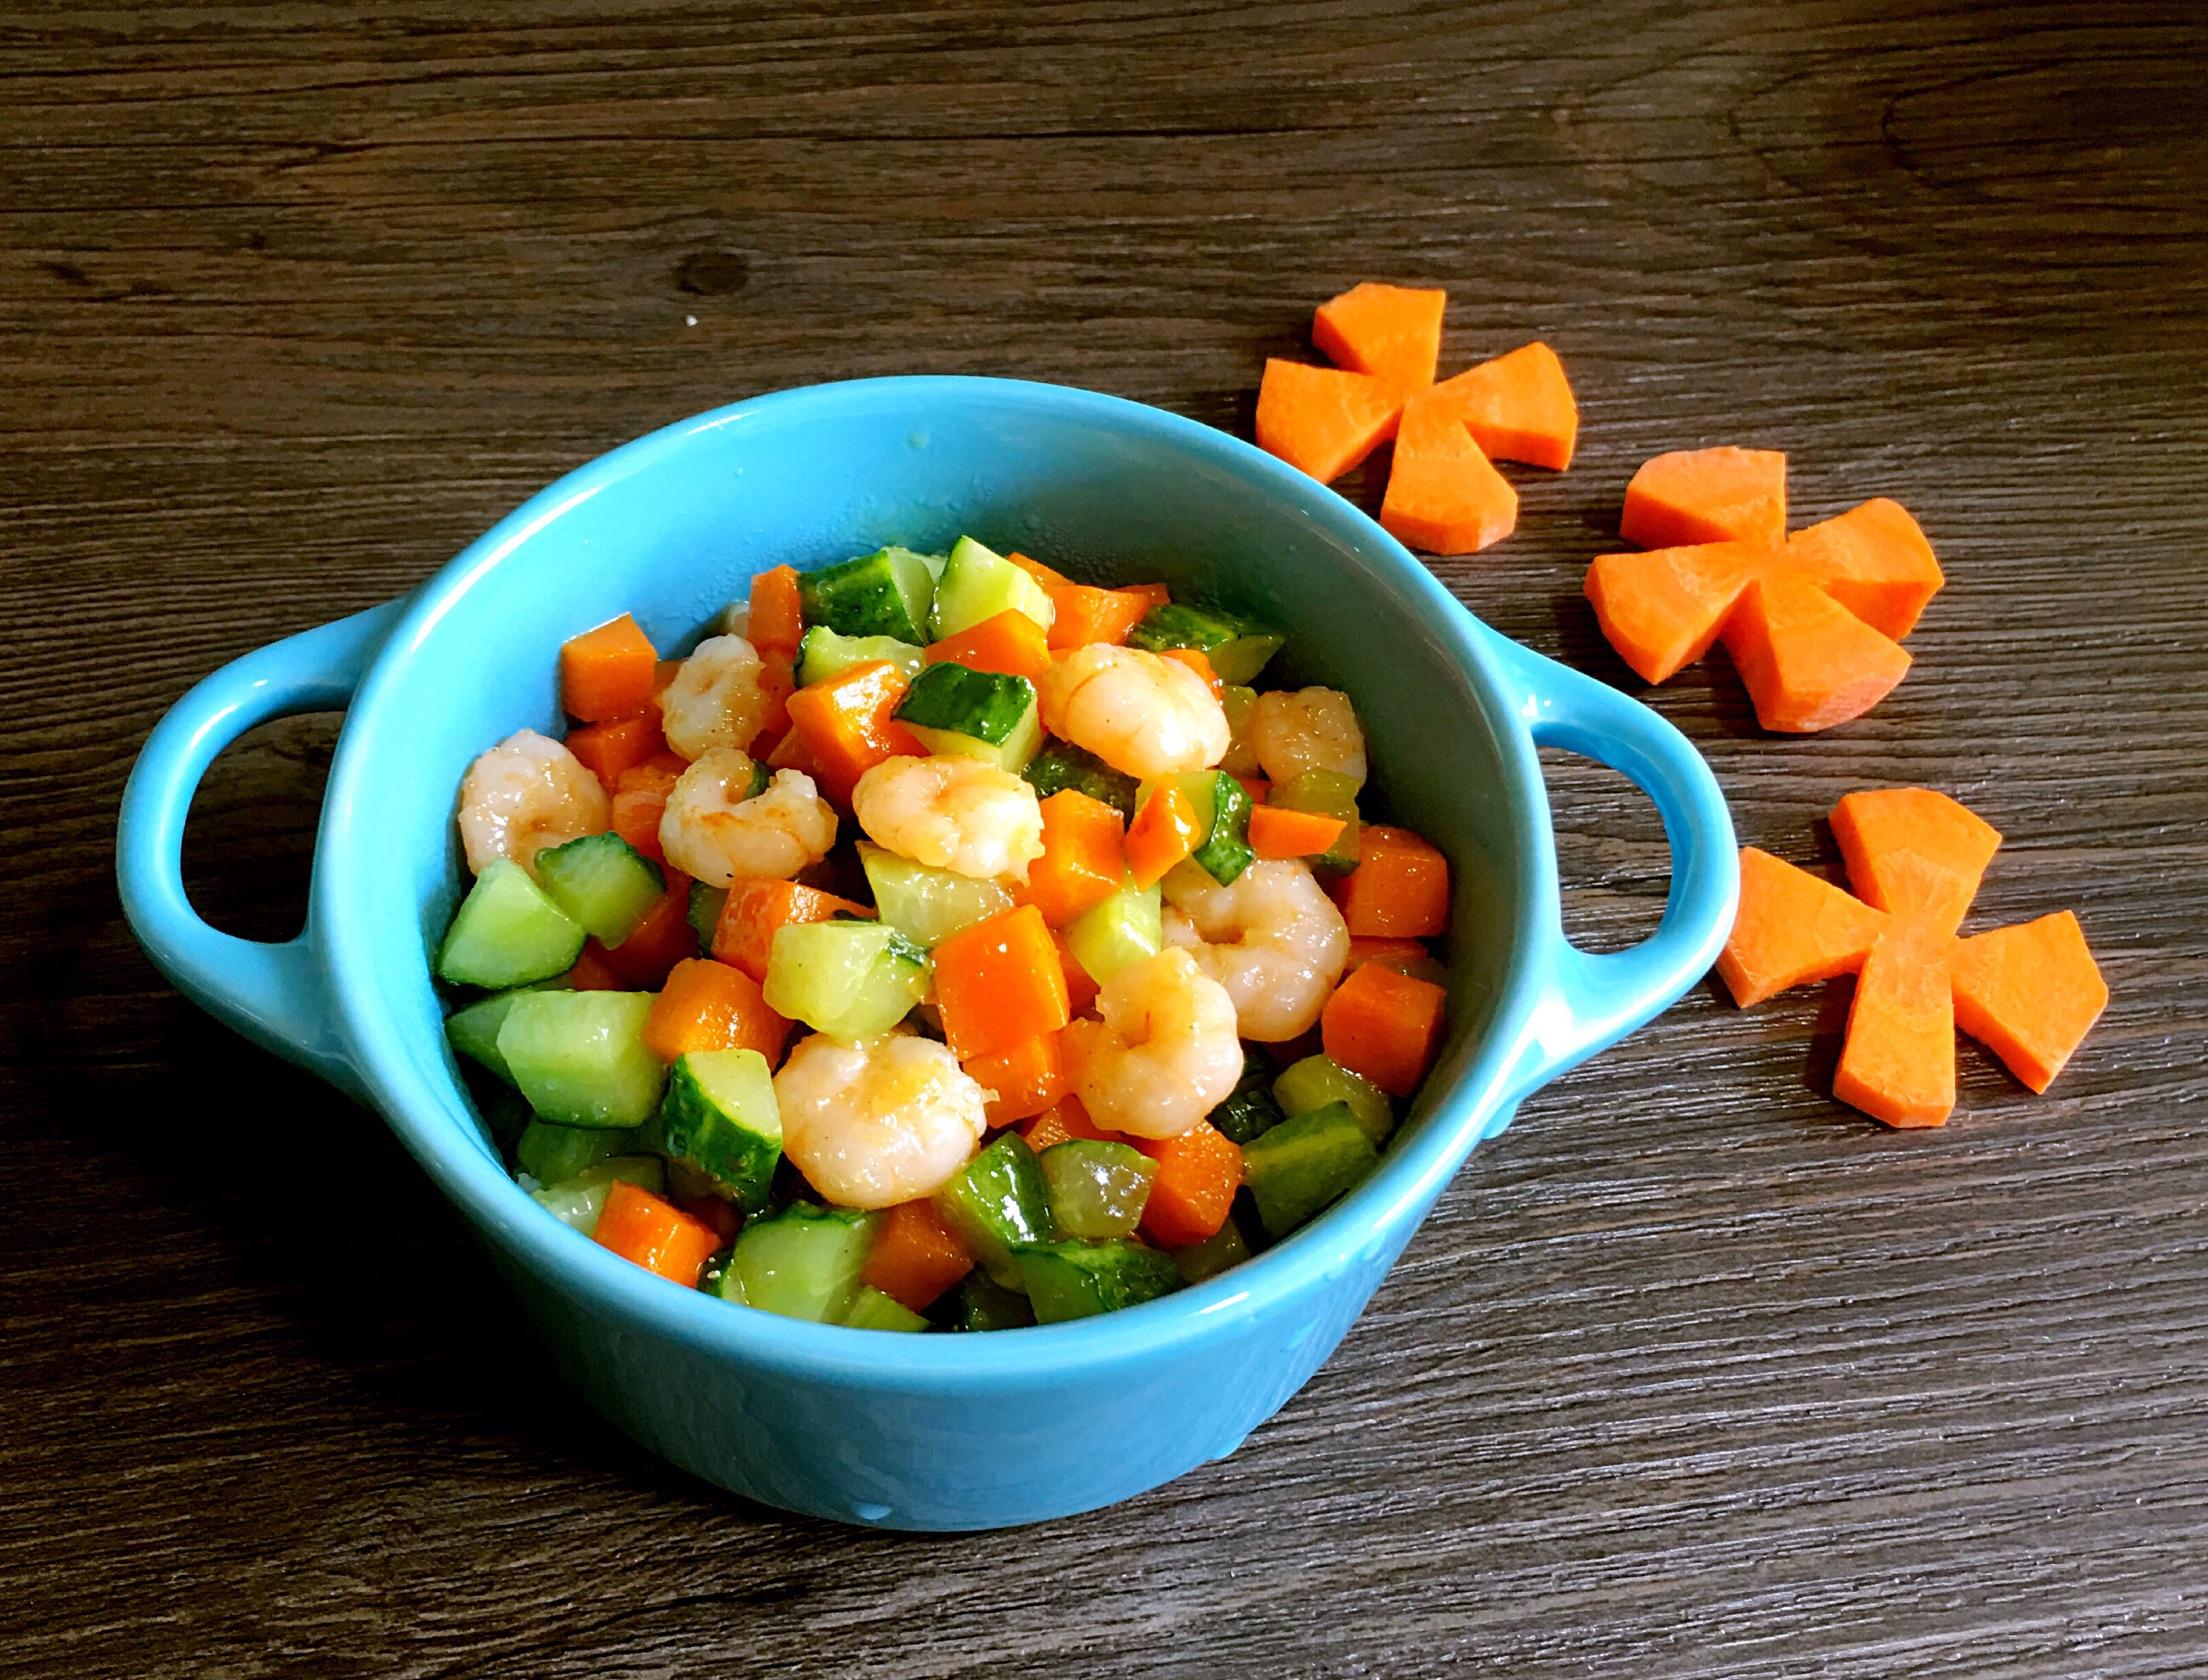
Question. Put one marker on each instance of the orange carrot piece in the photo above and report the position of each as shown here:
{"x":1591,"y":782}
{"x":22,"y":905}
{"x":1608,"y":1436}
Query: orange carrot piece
{"x":1010,"y":643}
{"x":640,"y":799}
{"x":777,"y":681}
{"x":607,"y":672}
{"x":1277,"y":832}
{"x":1384,"y":1024}
{"x":777,"y":618}
{"x":791,"y":752}
{"x":1914,"y":852}
{"x":1028,"y":1078}
{"x":755,"y":911}
{"x":1791,"y":928}
{"x":707,"y":1005}
{"x":1898,"y":1063}
{"x":662,"y":939}
{"x":1087,"y":614}
{"x":1399,"y":889}
{"x":1067,"y":1119}
{"x":1000,"y":982}
{"x":914,"y":1257}
{"x":1164,"y":831}
{"x":1081,"y":990}
{"x":656,"y":1234}
{"x":2029,"y":994}
{"x":1874,"y":561}
{"x":1082,"y":859}
{"x":592,"y":973}
{"x":1401,"y":954}
{"x":1707,"y":495}
{"x":1198,"y":1174}
{"x":1200,"y":662}
{"x":610,"y":749}
{"x":1518,"y":407}
{"x":848,"y":724}
{"x":1041,"y":573}
{"x":1323,"y":420}
{"x":1663,"y":608}
{"x":1444,"y":495}
{"x":1806,"y":661}
{"x":1393,"y":332}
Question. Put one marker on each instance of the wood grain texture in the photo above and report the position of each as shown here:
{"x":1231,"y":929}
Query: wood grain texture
{"x":1694,"y":1372}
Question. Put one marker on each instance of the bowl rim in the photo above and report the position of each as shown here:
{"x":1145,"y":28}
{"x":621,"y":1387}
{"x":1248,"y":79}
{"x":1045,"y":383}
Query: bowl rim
{"x":1475,"y":1101}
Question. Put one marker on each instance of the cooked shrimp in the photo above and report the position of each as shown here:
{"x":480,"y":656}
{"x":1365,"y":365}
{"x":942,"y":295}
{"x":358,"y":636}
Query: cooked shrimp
{"x":715,"y":828}
{"x":1142,"y":714}
{"x":719,"y":698}
{"x":525,"y":794}
{"x":1311,"y":729}
{"x":1273,"y":939}
{"x":953,"y":813}
{"x":874,"y":1124}
{"x":1164,"y":1055}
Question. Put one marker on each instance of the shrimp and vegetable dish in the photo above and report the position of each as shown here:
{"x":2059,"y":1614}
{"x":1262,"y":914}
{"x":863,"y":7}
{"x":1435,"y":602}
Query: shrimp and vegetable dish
{"x":944,"y":944}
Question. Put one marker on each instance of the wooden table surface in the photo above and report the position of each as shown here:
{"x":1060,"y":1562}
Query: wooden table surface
{"x":1693,"y":1371}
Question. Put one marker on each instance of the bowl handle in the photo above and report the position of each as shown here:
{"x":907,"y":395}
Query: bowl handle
{"x":1589,"y":1000}
{"x":272,"y":993}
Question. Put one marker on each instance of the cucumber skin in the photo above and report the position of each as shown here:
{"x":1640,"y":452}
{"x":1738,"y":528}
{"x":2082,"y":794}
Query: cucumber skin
{"x":985,"y":705}
{"x":1061,"y":765}
{"x":1226,"y":852}
{"x":803,"y":1262}
{"x":603,"y":882}
{"x":1318,"y":1080}
{"x":996,"y":1203}
{"x":1305,"y":1164}
{"x":735,"y":1150}
{"x":865,"y":596}
{"x":1079,"y":1280}
{"x":984,"y":1304}
{"x":1250,"y":1109}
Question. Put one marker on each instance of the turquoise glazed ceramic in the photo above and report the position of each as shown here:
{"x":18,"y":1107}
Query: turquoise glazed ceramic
{"x":939,"y":1431}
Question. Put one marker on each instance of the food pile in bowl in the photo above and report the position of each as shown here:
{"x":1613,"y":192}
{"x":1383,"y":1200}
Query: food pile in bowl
{"x":942,"y":944}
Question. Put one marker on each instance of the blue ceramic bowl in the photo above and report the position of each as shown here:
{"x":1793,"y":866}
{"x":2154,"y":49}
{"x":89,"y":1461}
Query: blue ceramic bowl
{"x":924,"y":1432}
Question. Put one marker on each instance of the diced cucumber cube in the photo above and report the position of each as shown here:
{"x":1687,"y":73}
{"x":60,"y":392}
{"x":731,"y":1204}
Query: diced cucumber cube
{"x":720,"y":1117}
{"x":603,"y":882}
{"x":1250,"y":1109}
{"x":505,"y":1116}
{"x":886,"y":593}
{"x":804,"y":1262}
{"x":550,"y":1154}
{"x":998,"y":1202}
{"x":870,"y":1309}
{"x":978,"y":584}
{"x":1225,"y":1247}
{"x":1123,"y":929}
{"x":1238,"y":702}
{"x":977,"y":714}
{"x":705,"y":911}
{"x":1240,"y":660}
{"x":984,"y":1304}
{"x":1071,"y":1280}
{"x":1061,"y":765}
{"x":850,"y":980}
{"x":473,"y":1031}
{"x":1236,"y":647}
{"x":508,"y":932}
{"x":1331,"y":794}
{"x":578,"y":1201}
{"x":1222,"y":807}
{"x":1096,"y":1188}
{"x":825,"y":653}
{"x":927,"y":905}
{"x":1318,"y":1080}
{"x":580,"y":1059}
{"x":1306,"y":1163}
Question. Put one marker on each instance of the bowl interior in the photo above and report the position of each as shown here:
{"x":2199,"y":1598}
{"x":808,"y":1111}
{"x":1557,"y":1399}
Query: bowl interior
{"x":673,"y":527}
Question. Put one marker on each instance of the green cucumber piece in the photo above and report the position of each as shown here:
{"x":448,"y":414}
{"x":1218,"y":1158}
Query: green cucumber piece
{"x":550,"y":1154}
{"x":1318,"y":1080}
{"x":1225,"y":1247}
{"x":1329,"y":793}
{"x":987,"y":1305}
{"x":1061,"y":765}
{"x":1306,"y":1163}
{"x":1079,"y":1280}
{"x":1123,"y":929}
{"x":870,"y":1309}
{"x":976,"y":714}
{"x":473,"y":1031}
{"x":1250,"y":1109}
{"x":1222,"y":807}
{"x":603,"y":882}
{"x":577,"y":1202}
{"x":1238,"y":702}
{"x":1237,"y":647}
{"x":978,"y":584}
{"x":850,"y":980}
{"x":997,"y":1202}
{"x":579,"y":1057}
{"x":803,"y":1262}
{"x":508,"y":932}
{"x":705,"y":912}
{"x":1096,"y":1188}
{"x":720,"y":1117}
{"x":927,"y":905}
{"x":826,"y":653}
{"x":886,"y":593}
